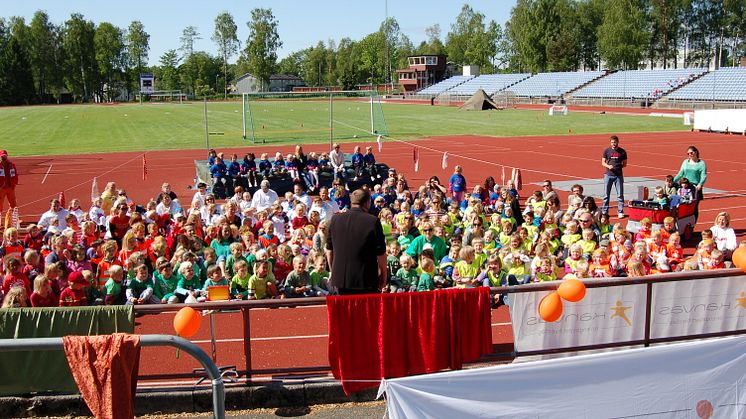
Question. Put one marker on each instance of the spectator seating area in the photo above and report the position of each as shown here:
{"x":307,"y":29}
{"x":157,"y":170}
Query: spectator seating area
{"x":723,"y":84}
{"x":639,"y":83}
{"x":554,"y":84}
{"x":490,"y":83}
{"x":446,"y":84}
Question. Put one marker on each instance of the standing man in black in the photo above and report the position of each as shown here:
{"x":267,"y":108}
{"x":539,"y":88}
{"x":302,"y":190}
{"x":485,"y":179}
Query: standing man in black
{"x":356,"y":248}
{"x":614,"y":160}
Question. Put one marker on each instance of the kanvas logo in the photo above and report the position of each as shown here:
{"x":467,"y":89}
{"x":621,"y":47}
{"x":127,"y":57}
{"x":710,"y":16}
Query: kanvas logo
{"x":621,"y":311}
{"x":706,"y":307}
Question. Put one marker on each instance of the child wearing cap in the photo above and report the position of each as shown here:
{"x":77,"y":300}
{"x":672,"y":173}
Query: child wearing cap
{"x":74,"y":295}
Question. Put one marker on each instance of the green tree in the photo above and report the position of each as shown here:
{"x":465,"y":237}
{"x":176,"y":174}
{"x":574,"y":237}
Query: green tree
{"x":110,"y":57}
{"x":260,"y":55}
{"x":735,"y":23}
{"x":46,"y":56}
{"x":471,"y":40}
{"x":590,"y":17}
{"x":80,"y":56}
{"x":666,"y":18}
{"x":188,"y":36}
{"x":314,"y":66}
{"x":622,"y":37}
{"x":200,"y":71}
{"x":168,"y":77}
{"x":16,"y":81}
{"x":138,"y":45}
{"x":433,"y":45}
{"x":293,"y":64}
{"x":226,"y":38}
{"x":348,"y":74}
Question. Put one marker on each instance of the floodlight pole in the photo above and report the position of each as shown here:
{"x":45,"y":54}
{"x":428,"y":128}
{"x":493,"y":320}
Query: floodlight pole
{"x":207,"y":132}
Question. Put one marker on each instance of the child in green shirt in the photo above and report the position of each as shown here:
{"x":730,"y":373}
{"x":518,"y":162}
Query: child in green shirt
{"x":165,"y":282}
{"x":140,"y":289}
{"x":320,"y":277}
{"x":113,"y":288}
{"x":406,"y":277}
{"x":426,"y":282}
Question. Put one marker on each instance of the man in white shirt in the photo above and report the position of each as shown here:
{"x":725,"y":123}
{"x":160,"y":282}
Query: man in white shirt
{"x":264,"y":197}
{"x":55,"y":212}
{"x":337,"y":160}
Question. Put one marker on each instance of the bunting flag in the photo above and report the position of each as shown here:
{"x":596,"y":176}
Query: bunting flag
{"x":502,"y":179}
{"x":416,"y":157}
{"x":144,"y":168}
{"x":516,"y":177}
{"x":444,"y":163}
{"x":94,"y":189}
{"x":63,"y":201}
{"x":379,"y":140}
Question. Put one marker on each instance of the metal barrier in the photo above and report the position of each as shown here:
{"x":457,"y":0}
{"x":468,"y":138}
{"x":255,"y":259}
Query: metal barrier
{"x":218,"y":389}
{"x":245,"y":306}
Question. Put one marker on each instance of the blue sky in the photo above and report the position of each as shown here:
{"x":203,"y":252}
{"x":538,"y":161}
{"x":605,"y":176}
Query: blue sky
{"x":302,"y":23}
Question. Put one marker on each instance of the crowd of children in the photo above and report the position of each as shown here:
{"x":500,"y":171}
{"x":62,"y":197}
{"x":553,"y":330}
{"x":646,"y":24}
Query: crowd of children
{"x":122,"y":252}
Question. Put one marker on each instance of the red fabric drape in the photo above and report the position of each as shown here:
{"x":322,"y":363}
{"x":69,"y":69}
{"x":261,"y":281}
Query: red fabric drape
{"x":105,"y":369}
{"x":395,"y":335}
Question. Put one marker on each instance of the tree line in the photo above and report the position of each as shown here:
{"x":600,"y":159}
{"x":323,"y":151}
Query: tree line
{"x":41,"y":60}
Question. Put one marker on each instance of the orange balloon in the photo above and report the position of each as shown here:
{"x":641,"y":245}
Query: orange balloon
{"x":550,"y":308}
{"x":572,"y":290}
{"x":186,"y":322}
{"x":739,"y":258}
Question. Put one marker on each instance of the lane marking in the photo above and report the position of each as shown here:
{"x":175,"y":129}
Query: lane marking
{"x":47,"y":174}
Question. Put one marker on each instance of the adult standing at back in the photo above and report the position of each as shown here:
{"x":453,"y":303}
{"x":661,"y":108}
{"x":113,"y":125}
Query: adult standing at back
{"x":695,"y":170}
{"x":614,"y":160}
{"x":356,"y":248}
{"x":8,"y":180}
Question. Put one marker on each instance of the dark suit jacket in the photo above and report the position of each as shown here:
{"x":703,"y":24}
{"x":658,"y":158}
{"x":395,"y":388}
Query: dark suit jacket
{"x":356,"y":239}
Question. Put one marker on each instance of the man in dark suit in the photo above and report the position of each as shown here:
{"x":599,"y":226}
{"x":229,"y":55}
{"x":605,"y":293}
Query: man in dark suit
{"x":356,"y":248}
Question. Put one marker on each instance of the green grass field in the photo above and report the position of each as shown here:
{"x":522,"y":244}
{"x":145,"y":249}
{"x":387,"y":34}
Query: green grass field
{"x":44,"y":130}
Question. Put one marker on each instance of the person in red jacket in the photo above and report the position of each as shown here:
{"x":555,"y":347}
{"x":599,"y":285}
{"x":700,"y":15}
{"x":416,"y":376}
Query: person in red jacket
{"x":8,"y":180}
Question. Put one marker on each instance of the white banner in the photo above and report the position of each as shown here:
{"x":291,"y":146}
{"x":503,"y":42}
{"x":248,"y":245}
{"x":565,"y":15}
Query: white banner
{"x":702,"y":379}
{"x":732,"y":120}
{"x":712,"y":305}
{"x":605,"y":315}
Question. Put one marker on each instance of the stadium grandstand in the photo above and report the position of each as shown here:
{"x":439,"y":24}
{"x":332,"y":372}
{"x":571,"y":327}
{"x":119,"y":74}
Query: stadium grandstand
{"x":554,"y":84}
{"x":630,"y":84}
{"x":725,"y":84}
{"x":490,"y":83}
{"x":444,"y":85}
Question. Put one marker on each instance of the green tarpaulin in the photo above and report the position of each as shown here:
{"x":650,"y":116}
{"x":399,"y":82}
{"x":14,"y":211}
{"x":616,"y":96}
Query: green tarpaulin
{"x":42,"y":371}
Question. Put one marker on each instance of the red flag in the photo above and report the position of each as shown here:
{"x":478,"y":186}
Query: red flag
{"x":444,"y":162}
{"x":63,"y":201}
{"x":416,"y":157}
{"x":94,"y":189}
{"x":144,"y":168}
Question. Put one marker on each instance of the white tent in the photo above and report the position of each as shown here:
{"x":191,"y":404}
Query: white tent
{"x":703,"y":379}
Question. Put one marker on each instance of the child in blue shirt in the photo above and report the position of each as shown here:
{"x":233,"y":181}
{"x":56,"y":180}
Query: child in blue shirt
{"x":370,"y":163}
{"x":357,"y":162}
{"x":278,"y":167}
{"x":264,"y":165}
{"x":248,"y":169}
{"x":457,"y":184}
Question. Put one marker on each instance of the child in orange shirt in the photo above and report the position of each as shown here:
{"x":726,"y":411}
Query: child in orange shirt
{"x":717,"y":260}
{"x":704,"y":253}
{"x":669,"y":227}
{"x":658,"y":251}
{"x":646,"y":227}
{"x":675,"y":252}
{"x":600,"y":267}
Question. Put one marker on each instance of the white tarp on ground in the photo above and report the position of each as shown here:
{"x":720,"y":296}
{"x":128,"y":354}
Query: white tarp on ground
{"x":731,"y":120}
{"x":703,"y":379}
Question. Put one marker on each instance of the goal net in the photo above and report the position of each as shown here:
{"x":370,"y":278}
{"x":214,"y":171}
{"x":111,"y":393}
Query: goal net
{"x":557,"y":110}
{"x":165,"y":96}
{"x":312,"y":116}
{"x":505,"y":99}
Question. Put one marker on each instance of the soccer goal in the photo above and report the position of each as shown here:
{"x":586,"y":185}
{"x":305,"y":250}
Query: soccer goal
{"x":312,"y":116}
{"x":167,"y":96}
{"x":557,"y":110}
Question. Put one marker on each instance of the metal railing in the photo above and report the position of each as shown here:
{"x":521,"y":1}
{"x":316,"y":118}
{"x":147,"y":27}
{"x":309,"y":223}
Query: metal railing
{"x":245,"y":306}
{"x":218,"y":389}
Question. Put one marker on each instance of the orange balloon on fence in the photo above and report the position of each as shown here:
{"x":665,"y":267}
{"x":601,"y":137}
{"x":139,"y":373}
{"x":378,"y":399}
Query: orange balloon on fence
{"x":550,"y":308}
{"x":186,"y":322}
{"x":572,"y":290}
{"x":739,"y":258}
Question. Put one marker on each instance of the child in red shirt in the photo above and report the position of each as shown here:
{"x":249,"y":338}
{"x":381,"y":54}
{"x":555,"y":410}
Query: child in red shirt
{"x":74,"y":295}
{"x":14,"y":276}
{"x":43,"y":296}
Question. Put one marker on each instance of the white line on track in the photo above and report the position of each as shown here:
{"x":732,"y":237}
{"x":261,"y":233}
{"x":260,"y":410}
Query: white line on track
{"x":47,"y":174}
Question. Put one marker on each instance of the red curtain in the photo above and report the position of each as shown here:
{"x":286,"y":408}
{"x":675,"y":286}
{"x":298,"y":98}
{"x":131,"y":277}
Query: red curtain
{"x":105,"y":369}
{"x":395,"y":335}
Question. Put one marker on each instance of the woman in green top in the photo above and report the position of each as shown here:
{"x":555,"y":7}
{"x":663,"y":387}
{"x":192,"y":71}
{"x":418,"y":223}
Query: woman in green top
{"x":695,"y":170}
